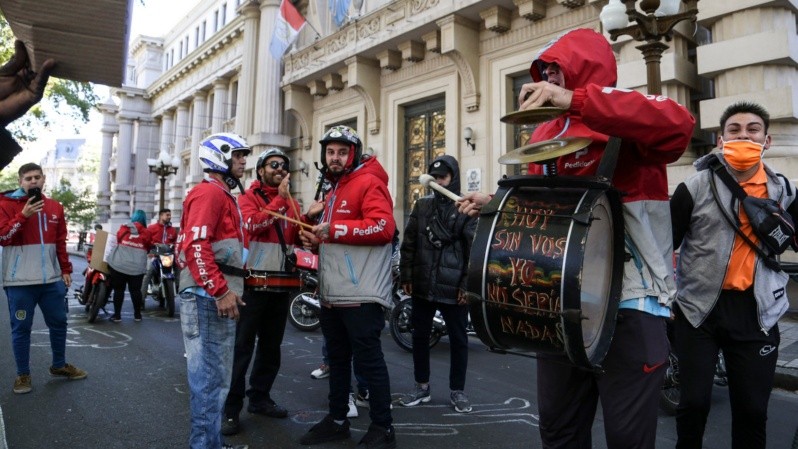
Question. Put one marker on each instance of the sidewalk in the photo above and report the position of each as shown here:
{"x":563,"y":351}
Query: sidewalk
{"x":787,"y":365}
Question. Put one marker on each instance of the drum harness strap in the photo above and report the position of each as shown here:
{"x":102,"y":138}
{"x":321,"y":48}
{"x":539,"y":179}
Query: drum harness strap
{"x":246,"y":273}
{"x":606,"y":168}
{"x":290,"y":259}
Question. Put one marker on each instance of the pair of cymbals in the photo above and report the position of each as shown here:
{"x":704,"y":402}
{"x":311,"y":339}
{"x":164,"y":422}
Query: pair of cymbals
{"x":533,"y":116}
{"x":545,"y":151}
{"x":540,"y":151}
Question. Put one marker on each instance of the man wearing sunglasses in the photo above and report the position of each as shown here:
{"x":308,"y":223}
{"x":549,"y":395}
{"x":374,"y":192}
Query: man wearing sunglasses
{"x":264,"y":317}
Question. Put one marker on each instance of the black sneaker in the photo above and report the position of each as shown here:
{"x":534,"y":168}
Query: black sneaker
{"x":230,"y":425}
{"x":378,"y":437}
{"x":268,"y":408}
{"x":325,"y":431}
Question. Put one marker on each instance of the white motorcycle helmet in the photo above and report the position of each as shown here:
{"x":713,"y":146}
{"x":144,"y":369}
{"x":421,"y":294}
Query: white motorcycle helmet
{"x":216,"y":152}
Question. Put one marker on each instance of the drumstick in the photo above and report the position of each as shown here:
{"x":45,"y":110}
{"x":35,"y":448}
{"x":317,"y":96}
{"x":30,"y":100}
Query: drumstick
{"x":288,"y":219}
{"x":428,"y":181}
{"x":293,"y":205}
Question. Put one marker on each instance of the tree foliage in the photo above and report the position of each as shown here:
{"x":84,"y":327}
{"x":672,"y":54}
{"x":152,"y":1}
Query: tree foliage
{"x":79,"y":204}
{"x":70,"y":100}
{"x":9,"y":180}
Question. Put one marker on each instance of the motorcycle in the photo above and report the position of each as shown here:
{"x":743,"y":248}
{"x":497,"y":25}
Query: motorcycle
{"x":305,"y":307}
{"x":671,"y":393}
{"x":95,"y":291}
{"x":161,"y":284}
{"x":303,"y":312}
{"x":402,"y":329}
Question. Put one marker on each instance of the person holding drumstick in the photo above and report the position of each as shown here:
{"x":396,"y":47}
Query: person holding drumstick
{"x":271,"y":241}
{"x":577,"y":72}
{"x":434,"y":263}
{"x":354,"y":237}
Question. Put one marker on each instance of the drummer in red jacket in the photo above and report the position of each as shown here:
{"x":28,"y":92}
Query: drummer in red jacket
{"x":577,"y":72}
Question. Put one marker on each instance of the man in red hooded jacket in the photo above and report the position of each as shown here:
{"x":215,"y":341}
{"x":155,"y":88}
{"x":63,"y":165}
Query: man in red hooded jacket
{"x":36,"y":271}
{"x":264,"y":317}
{"x":354,"y":237}
{"x":577,"y":72}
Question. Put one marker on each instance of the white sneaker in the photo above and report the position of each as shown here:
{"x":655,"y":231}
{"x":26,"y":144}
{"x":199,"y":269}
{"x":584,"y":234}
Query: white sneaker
{"x":352,"y":413}
{"x":320,"y":372}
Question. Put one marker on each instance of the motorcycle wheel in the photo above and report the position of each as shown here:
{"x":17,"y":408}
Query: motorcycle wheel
{"x":402,"y":330}
{"x":670,"y":394}
{"x":302,"y":316}
{"x":84,"y":292}
{"x":169,"y":286}
{"x":99,"y":297}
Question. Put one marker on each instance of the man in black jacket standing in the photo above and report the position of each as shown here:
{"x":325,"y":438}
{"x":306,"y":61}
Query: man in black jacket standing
{"x":434,"y":262}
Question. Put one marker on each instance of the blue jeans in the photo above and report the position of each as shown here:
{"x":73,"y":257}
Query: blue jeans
{"x":209,"y":342}
{"x":22,"y":301}
{"x":353,"y":335}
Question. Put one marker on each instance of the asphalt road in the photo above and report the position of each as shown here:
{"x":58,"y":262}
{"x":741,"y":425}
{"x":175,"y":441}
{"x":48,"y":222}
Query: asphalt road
{"x":136,"y":395}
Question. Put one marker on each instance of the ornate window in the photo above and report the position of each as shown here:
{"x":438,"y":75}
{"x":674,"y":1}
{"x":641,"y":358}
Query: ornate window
{"x":425,"y":139}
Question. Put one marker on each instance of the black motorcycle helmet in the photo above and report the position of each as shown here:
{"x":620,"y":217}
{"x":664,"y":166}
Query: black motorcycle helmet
{"x":269,"y":152}
{"x":344,"y":134}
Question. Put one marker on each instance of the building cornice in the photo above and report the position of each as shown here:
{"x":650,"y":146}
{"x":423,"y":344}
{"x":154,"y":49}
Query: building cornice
{"x":231,"y":32}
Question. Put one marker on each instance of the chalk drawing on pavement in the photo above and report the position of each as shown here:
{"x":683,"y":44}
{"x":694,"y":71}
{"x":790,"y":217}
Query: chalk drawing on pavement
{"x":511,"y":411}
{"x":84,"y":337}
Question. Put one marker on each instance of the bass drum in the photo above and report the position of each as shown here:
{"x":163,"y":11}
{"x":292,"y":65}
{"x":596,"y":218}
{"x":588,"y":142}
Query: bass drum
{"x":546,"y":268}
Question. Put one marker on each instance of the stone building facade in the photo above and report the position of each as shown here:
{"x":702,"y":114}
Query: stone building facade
{"x":410,"y":76}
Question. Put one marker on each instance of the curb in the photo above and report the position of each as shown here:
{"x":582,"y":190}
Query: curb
{"x":3,"y":443}
{"x":786,"y":378}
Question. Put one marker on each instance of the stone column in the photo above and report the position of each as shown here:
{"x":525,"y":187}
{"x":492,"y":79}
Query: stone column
{"x":268,"y":111}
{"x":168,"y":133}
{"x":120,"y":207}
{"x":183,"y":150}
{"x":195,"y":171}
{"x":146,"y":185}
{"x":109,"y":129}
{"x":174,"y":185}
{"x":219,"y":106}
{"x":249,"y":59}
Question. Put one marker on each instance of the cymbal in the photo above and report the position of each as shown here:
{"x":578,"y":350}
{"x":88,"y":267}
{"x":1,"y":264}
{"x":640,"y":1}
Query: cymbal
{"x":543,"y":151}
{"x":532,"y":116}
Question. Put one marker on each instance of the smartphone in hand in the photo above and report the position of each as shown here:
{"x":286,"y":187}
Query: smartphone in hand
{"x":35,"y":193}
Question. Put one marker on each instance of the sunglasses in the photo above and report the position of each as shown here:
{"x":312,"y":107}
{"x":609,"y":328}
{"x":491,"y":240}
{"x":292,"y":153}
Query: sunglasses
{"x":275,"y":165}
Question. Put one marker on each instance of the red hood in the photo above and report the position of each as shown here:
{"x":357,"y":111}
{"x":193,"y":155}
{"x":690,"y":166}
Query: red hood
{"x":368,"y":166}
{"x":582,"y":58}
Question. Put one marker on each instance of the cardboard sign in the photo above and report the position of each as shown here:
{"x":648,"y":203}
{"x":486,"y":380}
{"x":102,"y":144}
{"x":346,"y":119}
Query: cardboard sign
{"x":104,"y":243}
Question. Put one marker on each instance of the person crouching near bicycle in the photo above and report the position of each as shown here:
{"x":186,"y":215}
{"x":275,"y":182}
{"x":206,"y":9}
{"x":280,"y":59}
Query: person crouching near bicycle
{"x":270,"y":240}
{"x":433,"y":264}
{"x":128,"y":263}
{"x":737,"y":309}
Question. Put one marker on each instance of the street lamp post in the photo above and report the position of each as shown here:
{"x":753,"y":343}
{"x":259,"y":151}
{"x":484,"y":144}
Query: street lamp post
{"x":654,"y":23}
{"x":163,"y":166}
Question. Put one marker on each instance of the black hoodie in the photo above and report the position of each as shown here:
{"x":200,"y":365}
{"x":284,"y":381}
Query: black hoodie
{"x":436,"y":244}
